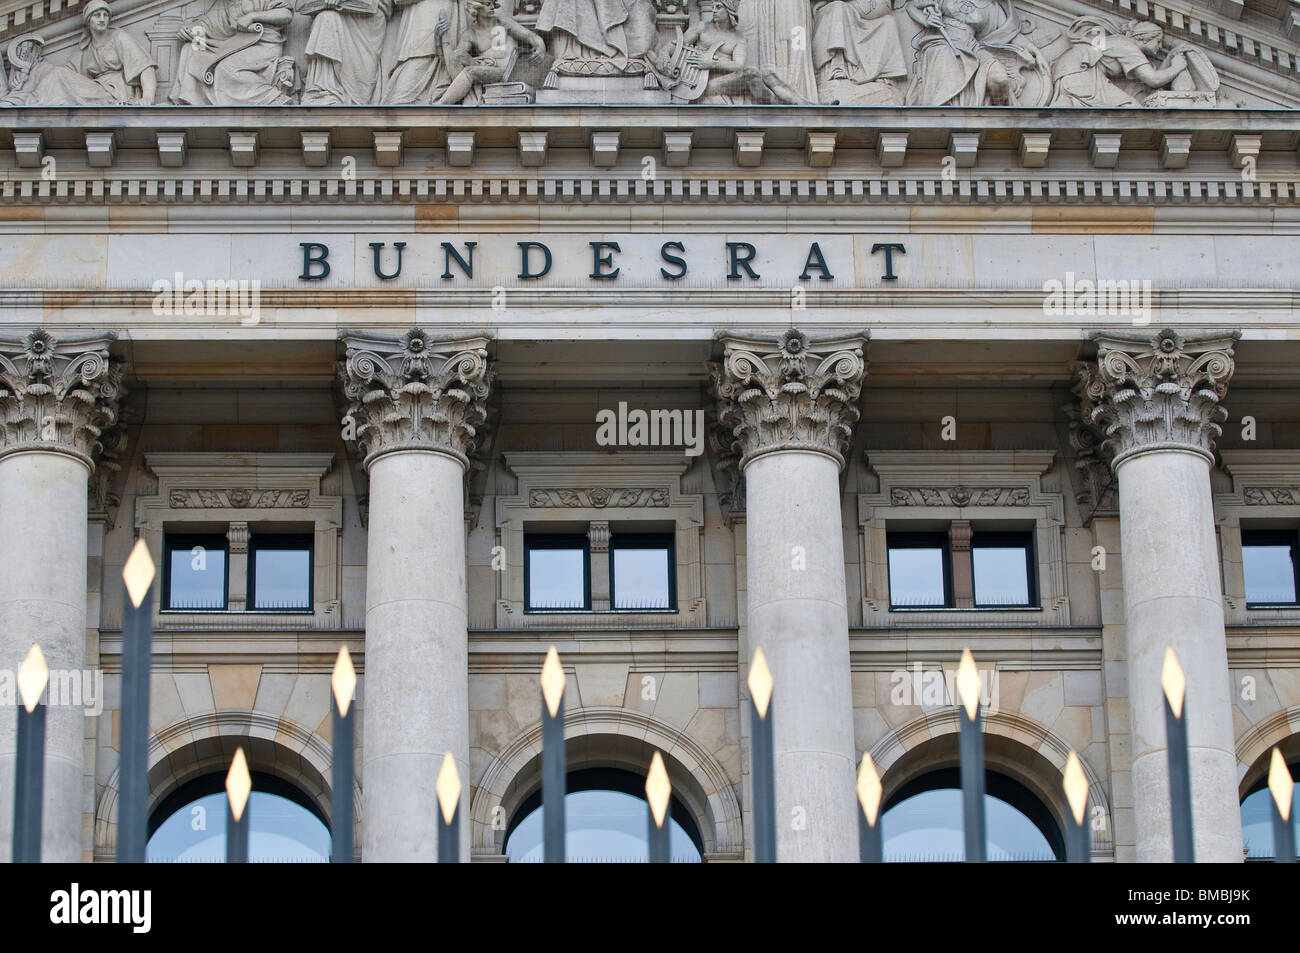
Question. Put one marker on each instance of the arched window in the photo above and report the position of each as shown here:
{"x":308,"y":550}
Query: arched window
{"x":605,"y":821}
{"x":1257,"y":817}
{"x":189,"y":826}
{"x":922,"y":821}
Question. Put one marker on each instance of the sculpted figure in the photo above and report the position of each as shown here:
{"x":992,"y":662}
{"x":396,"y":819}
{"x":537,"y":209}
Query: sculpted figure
{"x":585,"y":32}
{"x":111,"y":69}
{"x":233,"y":56}
{"x":343,"y":50}
{"x":971,"y":53}
{"x":858,"y":53}
{"x":778,"y":34}
{"x":419,"y":68}
{"x":487,"y":49}
{"x":717,"y":57}
{"x":1112,"y":64}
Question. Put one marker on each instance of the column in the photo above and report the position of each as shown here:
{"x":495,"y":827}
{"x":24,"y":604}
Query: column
{"x":789,"y":408}
{"x":413,"y":406}
{"x":57,"y":397}
{"x":1157,"y":398}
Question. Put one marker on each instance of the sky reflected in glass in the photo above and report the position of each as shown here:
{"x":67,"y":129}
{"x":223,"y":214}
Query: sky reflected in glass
{"x":1001,"y":576}
{"x":279,"y":831}
{"x":916,"y":577}
{"x":600,"y":826}
{"x":197,"y":579}
{"x":1257,"y":821}
{"x":1269,"y":575}
{"x":555,"y":579}
{"x":282,"y":579}
{"x":928,"y":826}
{"x":641,"y":579}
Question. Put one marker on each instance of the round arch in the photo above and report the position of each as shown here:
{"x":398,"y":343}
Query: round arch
{"x":205,"y":744}
{"x":1015,"y":746}
{"x":1282,"y":729}
{"x":615,"y":738}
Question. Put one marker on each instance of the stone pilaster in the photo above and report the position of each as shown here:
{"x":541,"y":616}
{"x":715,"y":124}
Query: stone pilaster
{"x":786,"y":410}
{"x":58,"y":396}
{"x":415,"y":409}
{"x":1156,"y":402}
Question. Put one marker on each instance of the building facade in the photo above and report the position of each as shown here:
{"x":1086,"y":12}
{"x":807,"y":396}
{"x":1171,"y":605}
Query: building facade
{"x":658,"y":333}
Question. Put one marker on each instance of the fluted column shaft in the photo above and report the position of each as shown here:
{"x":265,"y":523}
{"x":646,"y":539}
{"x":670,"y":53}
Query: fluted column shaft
{"x":789,"y":414}
{"x":57,"y":398}
{"x":414,"y":406}
{"x":1158,"y":401}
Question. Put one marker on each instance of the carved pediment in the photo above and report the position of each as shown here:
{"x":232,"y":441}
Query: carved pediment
{"x":719,"y":52}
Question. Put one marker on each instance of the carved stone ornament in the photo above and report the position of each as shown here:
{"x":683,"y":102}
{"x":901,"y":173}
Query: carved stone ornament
{"x":730,"y":52}
{"x":414,"y":392}
{"x":59,"y":394}
{"x":796,"y":395}
{"x":1156,"y":393}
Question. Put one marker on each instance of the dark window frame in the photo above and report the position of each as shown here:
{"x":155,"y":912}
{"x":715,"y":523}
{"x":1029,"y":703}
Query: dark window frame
{"x":186,"y":542}
{"x":282,"y":542}
{"x":1273,"y":537}
{"x":667,"y":541}
{"x":1023,"y":539}
{"x":937,"y":539}
{"x":557,"y":541}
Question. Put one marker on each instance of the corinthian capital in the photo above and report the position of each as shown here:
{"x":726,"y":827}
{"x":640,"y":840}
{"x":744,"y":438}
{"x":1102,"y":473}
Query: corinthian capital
{"x":1156,"y":393}
{"x":414,"y":392}
{"x":58,"y":394}
{"x":789,"y":395}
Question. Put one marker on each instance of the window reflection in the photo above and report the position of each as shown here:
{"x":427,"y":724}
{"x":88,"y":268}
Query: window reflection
{"x":280,"y":830}
{"x":1257,"y":820}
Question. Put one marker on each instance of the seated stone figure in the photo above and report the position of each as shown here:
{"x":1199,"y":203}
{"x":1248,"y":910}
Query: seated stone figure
{"x":488,"y":46}
{"x":111,"y":69}
{"x":717,"y":47}
{"x":343,"y":50}
{"x":1111,"y":64}
{"x":858,"y":53}
{"x":972,"y":53}
{"x":234,"y":56}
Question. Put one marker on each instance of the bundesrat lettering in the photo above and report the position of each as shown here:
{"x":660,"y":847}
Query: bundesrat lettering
{"x":535,"y":260}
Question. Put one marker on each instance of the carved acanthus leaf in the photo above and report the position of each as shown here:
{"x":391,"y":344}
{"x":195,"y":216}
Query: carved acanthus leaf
{"x":415,"y":392}
{"x":794,"y":395}
{"x":1153,"y":393}
{"x":60,"y":394}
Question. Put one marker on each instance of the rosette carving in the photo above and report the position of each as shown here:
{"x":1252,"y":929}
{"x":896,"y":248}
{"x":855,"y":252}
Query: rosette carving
{"x":60,"y":394}
{"x":795,"y":394}
{"x":1154,"y":393}
{"x":414,"y":392}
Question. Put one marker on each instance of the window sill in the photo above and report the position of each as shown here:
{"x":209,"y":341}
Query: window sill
{"x":956,"y":611}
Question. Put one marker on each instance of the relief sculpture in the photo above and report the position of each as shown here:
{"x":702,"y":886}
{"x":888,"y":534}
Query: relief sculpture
{"x":729,"y":52}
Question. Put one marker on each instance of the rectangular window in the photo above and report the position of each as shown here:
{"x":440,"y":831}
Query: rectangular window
{"x":1003,"y":569}
{"x":919,"y":574}
{"x":279,"y":573}
{"x":194,"y":573}
{"x":642,"y":572}
{"x":1268,"y":560}
{"x":556,"y":574}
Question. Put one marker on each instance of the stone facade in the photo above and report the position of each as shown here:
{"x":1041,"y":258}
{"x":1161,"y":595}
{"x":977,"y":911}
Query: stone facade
{"x":394,"y":322}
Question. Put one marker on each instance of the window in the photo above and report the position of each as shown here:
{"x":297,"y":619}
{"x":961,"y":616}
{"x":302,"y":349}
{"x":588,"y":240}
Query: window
{"x":1257,"y":832}
{"x":556,"y":574}
{"x":1268,"y":560}
{"x":194,"y":573}
{"x":923,"y":821}
{"x":918,"y":571}
{"x":1003,"y":570}
{"x":279,"y":573}
{"x":284,"y":825}
{"x":961,"y":569}
{"x":605,"y":819}
{"x":641,"y":571}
